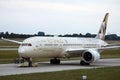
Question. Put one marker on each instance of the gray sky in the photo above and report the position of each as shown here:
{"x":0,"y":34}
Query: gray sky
{"x":58,"y":16}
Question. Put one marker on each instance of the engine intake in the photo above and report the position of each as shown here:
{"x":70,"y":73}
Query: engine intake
{"x":90,"y":55}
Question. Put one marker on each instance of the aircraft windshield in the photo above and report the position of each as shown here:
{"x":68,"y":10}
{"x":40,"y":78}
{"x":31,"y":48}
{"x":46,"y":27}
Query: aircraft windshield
{"x":26,"y":44}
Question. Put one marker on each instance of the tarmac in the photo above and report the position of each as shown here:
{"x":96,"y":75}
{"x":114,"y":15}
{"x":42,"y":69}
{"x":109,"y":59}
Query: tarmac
{"x":13,"y":69}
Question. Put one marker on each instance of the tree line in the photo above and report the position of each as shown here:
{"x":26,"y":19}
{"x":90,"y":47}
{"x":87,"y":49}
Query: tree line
{"x":16,"y":35}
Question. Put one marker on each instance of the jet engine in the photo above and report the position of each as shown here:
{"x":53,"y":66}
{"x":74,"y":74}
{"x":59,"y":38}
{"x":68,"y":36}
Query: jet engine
{"x":90,"y":55}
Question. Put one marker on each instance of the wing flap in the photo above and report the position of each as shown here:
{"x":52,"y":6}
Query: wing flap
{"x":109,"y":46}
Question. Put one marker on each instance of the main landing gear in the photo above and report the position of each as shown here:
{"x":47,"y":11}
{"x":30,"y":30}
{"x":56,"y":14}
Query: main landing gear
{"x":55,"y":61}
{"x":84,"y":63}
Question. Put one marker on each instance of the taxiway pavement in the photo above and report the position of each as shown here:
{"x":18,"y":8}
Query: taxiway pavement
{"x":12,"y":69}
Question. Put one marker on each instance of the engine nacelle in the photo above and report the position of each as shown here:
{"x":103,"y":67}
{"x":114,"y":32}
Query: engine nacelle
{"x":90,"y":55}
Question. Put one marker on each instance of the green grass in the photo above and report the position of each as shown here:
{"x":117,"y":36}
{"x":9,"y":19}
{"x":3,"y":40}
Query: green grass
{"x":111,"y":53}
{"x":110,"y":73}
{"x":8,"y":56}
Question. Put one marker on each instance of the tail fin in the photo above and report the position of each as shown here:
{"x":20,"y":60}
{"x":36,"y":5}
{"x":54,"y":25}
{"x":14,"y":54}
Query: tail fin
{"x":102,"y":31}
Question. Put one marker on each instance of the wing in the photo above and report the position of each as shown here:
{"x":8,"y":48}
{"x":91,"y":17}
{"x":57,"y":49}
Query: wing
{"x":18,"y":42}
{"x":79,"y":51}
{"x":110,"y":46}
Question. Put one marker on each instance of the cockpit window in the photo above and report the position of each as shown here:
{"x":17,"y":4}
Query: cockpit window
{"x":26,"y":44}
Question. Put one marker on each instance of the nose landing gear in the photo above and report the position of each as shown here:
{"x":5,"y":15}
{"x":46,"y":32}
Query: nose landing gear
{"x":25,"y":62}
{"x":29,"y":62}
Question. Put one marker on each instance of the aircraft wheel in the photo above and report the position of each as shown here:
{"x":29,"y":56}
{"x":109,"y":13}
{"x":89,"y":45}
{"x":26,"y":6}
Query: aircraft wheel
{"x":55,"y":61}
{"x":84,"y":63}
{"x":29,"y":61}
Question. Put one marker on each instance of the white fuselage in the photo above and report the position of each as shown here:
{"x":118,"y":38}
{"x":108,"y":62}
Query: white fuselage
{"x":55,"y":47}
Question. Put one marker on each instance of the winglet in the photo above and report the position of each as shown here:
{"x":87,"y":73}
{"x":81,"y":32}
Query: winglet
{"x":102,"y":30}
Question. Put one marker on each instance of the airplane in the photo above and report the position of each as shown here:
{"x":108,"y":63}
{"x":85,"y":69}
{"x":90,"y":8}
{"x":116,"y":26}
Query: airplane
{"x":88,"y":49}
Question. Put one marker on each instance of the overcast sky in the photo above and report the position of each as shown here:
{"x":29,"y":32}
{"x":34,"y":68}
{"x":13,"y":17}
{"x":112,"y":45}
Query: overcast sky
{"x":58,"y":16}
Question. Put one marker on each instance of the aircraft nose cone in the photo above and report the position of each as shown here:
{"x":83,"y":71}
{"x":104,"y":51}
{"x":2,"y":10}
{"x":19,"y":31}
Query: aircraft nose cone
{"x":22,"y":52}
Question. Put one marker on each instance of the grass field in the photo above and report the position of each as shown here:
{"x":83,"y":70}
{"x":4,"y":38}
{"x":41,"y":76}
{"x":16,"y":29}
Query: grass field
{"x":8,"y":56}
{"x":110,"y":73}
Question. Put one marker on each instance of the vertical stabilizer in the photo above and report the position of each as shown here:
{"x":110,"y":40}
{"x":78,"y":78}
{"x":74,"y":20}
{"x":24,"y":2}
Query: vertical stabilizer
{"x":102,"y":30}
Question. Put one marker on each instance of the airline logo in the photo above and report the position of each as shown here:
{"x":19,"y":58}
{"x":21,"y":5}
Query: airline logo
{"x":102,"y":31}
